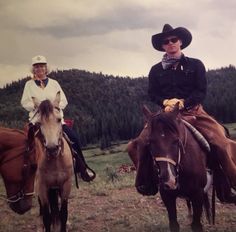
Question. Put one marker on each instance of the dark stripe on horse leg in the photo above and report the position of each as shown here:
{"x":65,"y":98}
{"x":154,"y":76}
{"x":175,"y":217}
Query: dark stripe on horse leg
{"x":64,"y":215}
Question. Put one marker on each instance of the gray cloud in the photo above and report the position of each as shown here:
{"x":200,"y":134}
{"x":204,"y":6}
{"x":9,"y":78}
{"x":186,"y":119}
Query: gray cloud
{"x":119,"y":19}
{"x":113,"y":37}
{"x":128,"y":17}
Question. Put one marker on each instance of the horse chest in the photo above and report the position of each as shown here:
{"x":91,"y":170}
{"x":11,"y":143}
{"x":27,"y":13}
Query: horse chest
{"x":54,"y":177}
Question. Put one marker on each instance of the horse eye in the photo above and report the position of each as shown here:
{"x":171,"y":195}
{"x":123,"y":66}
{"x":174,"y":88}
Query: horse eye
{"x":59,"y":120}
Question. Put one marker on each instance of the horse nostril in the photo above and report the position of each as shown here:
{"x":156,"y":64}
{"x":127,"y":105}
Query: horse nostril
{"x":52,"y":150}
{"x":166,"y":186}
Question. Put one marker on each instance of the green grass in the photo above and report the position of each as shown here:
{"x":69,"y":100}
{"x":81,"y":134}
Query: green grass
{"x":99,"y":160}
{"x":232,"y":129}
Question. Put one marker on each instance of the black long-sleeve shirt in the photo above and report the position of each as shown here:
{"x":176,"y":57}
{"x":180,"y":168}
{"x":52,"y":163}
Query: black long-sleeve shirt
{"x":187,"y":81}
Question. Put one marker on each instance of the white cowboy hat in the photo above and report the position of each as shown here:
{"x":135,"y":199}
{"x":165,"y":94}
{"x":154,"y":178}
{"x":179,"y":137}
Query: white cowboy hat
{"x":39,"y":60}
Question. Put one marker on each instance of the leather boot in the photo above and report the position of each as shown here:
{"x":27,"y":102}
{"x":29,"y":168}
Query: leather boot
{"x":223,"y":187}
{"x":86,"y":173}
{"x":30,"y":136}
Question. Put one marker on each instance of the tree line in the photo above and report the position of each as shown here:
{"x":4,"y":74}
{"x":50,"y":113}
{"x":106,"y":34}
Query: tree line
{"x":107,"y":108}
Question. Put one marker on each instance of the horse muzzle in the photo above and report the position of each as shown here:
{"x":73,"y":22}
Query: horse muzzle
{"x":147,"y":190}
{"x":21,"y":206}
{"x":169,"y":185}
{"x":53,"y":151}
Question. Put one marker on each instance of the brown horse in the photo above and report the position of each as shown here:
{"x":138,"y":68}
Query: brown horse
{"x":17,"y":167}
{"x":178,"y":160}
{"x":54,"y":175}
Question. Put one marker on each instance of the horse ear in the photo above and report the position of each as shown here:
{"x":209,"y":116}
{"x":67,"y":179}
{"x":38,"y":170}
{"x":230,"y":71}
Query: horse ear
{"x":147,"y":113}
{"x":57,"y":99}
{"x":36,"y":102}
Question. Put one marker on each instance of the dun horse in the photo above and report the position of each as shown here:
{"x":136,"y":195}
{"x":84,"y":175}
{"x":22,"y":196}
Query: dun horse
{"x":54,"y":175}
{"x":179,"y":164}
{"x":17,"y":168}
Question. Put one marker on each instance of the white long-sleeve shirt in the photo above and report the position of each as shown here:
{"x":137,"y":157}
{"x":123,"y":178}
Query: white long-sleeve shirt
{"x":49,"y":92}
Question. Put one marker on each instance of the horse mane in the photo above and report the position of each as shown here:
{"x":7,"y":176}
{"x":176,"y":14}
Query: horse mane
{"x":46,"y":108}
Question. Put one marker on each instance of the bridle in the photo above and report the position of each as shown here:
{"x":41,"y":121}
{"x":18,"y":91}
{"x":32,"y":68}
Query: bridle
{"x":41,"y":137}
{"x":60,"y":146}
{"x":181,"y":151}
{"x":25,"y":173}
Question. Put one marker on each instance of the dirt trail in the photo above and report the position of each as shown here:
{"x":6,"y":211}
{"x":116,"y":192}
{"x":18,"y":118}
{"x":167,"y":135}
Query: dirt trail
{"x":117,"y":210}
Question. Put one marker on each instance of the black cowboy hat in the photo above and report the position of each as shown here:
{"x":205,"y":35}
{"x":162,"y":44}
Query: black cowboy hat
{"x":182,"y":33}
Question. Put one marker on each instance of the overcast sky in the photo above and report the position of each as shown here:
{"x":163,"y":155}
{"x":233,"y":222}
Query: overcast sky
{"x":110,"y":36}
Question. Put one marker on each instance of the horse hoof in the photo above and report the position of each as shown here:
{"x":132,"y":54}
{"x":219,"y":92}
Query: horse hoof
{"x":197,"y":228}
{"x":174,"y":227}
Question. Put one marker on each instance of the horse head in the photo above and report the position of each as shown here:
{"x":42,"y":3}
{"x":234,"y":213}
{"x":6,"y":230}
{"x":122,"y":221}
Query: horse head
{"x":20,"y":194}
{"x":49,"y":120}
{"x":18,"y":168}
{"x":165,"y":145}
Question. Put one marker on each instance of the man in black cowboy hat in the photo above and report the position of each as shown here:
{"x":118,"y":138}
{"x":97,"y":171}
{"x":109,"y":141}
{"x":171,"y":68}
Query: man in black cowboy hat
{"x":181,"y":79}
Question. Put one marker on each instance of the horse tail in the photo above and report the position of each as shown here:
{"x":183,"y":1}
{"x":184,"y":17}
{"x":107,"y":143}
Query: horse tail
{"x":206,"y":206}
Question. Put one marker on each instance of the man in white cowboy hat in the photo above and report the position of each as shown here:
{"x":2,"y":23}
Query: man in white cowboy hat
{"x":181,"y":79}
{"x":42,"y":87}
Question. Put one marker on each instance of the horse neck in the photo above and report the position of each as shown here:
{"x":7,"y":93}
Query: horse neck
{"x":10,"y":138}
{"x":191,"y":148}
{"x":13,"y":156}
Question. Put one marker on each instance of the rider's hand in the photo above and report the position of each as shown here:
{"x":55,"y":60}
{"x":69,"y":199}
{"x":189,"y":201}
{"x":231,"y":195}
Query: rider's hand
{"x":168,"y":109}
{"x":181,"y":104}
{"x":165,"y":102}
{"x":172,"y":102}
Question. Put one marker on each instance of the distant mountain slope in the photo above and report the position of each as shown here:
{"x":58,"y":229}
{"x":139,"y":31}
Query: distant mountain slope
{"x":107,"y":108}
{"x":104,"y":108}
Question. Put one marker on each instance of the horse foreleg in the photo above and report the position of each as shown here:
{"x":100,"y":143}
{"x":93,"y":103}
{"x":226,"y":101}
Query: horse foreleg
{"x":46,"y":217}
{"x":189,"y":208}
{"x":54,"y":208}
{"x":40,"y":207}
{"x":170,"y":203}
{"x":64,"y":203}
{"x":64,"y":215}
{"x":44,"y":207}
{"x":197,"y":204}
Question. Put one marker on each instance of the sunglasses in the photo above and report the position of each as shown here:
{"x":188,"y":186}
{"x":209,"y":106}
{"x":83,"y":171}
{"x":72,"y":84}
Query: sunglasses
{"x":172,"y":40}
